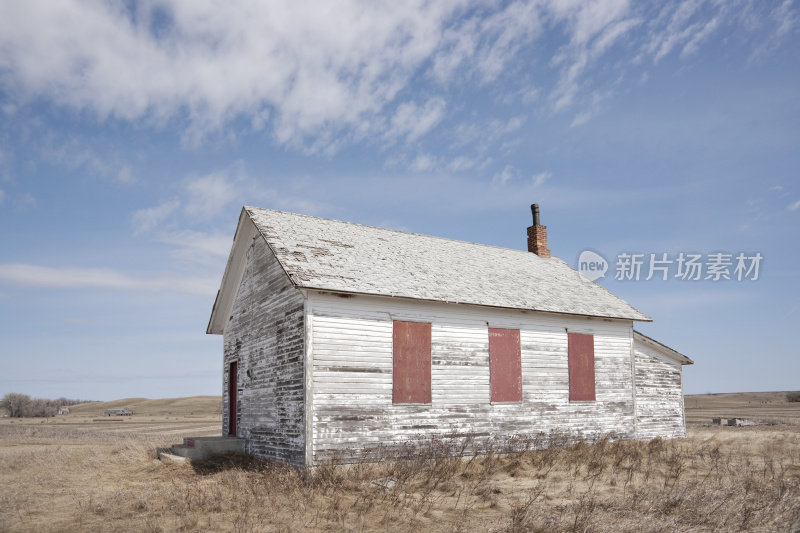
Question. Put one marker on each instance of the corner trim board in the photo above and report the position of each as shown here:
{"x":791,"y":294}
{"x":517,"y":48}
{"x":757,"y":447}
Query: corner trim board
{"x":308,"y":411}
{"x":633,"y":386}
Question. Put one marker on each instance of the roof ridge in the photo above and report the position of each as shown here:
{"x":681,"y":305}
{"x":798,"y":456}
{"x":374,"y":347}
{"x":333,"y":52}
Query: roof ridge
{"x":404,"y":232}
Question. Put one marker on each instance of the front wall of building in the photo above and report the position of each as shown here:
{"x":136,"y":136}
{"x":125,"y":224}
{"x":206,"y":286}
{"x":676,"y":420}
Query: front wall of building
{"x":351,"y":350}
{"x":265,"y":336}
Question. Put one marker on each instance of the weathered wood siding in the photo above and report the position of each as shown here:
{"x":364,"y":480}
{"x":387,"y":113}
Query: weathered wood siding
{"x":659,"y":394}
{"x":265,"y":334}
{"x":352,"y":374}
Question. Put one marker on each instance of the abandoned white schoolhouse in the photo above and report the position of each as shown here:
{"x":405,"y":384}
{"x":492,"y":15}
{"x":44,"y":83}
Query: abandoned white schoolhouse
{"x":340,"y":337}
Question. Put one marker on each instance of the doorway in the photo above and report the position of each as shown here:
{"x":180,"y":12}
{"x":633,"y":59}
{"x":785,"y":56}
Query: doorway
{"x":232,"y":398}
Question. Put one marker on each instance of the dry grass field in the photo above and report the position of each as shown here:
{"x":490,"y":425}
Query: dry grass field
{"x":82,"y":475}
{"x":762,"y":407}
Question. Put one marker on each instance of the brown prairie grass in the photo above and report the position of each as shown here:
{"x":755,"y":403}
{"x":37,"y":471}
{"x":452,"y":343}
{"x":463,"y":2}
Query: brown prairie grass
{"x":731,"y":479}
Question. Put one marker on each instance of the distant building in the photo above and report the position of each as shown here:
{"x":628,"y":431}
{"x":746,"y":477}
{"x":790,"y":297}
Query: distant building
{"x":339,"y":338}
{"x":63,"y":410}
{"x":117,"y":412}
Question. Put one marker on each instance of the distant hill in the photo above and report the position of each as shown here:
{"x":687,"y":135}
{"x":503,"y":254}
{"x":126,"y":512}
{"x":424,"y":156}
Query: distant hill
{"x":699,"y":406}
{"x":756,"y":406}
{"x":193,"y":405}
{"x":729,"y":399}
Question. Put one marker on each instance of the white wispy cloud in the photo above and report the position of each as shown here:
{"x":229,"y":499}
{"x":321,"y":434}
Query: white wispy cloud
{"x":24,"y":201}
{"x":481,"y":46}
{"x":321,"y":75}
{"x":671,"y":27}
{"x":207,"y":195}
{"x":195,"y":220}
{"x":702,"y":33}
{"x":593,"y":105}
{"x":200,"y":198}
{"x":462,"y":163}
{"x":505,"y":175}
{"x":483,"y":134}
{"x":198,"y":203}
{"x":316,"y":65}
{"x":147,"y":219}
{"x":26,"y":275}
{"x":504,"y":33}
{"x":595,"y":27}
{"x":77,"y":154}
{"x":794,"y":206}
{"x":423,"y":163}
{"x":198,"y":246}
{"x":786,"y":18}
{"x":540,"y":178}
{"x":5,"y":174}
{"x":412,"y":121}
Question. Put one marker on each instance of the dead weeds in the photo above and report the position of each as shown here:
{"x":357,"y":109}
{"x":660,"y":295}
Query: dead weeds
{"x":747,"y":479}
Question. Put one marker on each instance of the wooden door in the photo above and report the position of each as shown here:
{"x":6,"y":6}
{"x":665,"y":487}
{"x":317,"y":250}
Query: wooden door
{"x":232,"y":399}
{"x":581,"y":367}
{"x":505,"y":365}
{"x":411,"y":369}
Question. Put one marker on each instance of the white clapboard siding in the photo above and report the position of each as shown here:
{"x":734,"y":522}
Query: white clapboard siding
{"x":265,"y":336}
{"x":352,"y":374}
{"x":659,"y":394}
{"x":306,"y":307}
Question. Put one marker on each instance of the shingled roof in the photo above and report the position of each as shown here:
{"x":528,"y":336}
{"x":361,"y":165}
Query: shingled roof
{"x":330,"y":255}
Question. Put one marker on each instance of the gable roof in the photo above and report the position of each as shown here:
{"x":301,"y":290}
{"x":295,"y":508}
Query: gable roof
{"x":330,"y":255}
{"x":663,"y":349}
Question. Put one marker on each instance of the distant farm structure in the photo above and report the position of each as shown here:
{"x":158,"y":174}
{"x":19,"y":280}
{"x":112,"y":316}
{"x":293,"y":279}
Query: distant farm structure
{"x":117,"y":412}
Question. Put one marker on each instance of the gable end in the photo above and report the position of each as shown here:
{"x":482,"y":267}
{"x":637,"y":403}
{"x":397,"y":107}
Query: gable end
{"x":246,"y":232}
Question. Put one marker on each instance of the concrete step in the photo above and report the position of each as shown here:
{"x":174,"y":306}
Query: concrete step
{"x":204,"y":447}
{"x":167,"y":455}
{"x":187,"y":452}
{"x":216,"y":444}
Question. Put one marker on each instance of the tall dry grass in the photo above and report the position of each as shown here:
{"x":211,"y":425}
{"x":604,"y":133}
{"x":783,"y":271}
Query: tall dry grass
{"x":728,"y":479}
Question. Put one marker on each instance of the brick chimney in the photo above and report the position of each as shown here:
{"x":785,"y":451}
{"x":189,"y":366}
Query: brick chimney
{"x":537,"y":235}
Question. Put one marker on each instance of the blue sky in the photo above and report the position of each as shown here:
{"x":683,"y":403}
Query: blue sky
{"x":131,"y":134}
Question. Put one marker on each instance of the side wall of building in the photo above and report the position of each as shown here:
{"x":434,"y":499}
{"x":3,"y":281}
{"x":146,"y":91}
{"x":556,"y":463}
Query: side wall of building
{"x":352,"y":375}
{"x":659,"y":394}
{"x":265,"y":336}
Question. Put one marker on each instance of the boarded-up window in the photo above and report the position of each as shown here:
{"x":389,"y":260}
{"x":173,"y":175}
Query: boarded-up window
{"x":411,"y":371}
{"x":581,"y":367}
{"x":505,"y":365}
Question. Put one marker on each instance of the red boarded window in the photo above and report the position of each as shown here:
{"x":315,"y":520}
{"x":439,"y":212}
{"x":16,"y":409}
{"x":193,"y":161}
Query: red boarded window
{"x":505,"y":365}
{"x":581,"y":367}
{"x":411,"y":378}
